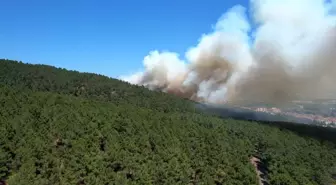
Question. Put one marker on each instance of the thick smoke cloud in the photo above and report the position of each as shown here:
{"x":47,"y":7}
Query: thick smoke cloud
{"x":290,"y":54}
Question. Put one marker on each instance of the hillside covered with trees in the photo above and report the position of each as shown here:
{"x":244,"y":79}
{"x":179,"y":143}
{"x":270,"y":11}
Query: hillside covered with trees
{"x":63,"y":127}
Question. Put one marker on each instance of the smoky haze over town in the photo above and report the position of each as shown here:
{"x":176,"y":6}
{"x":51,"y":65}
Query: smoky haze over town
{"x":290,"y":55}
{"x":285,"y":53}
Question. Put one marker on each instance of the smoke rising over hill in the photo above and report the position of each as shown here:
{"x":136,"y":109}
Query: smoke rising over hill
{"x":289,"y":54}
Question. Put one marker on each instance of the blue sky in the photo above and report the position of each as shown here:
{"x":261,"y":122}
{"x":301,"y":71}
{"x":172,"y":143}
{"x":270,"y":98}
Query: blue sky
{"x":108,"y":37}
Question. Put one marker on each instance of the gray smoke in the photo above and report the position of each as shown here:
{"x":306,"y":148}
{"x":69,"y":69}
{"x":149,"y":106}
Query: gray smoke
{"x":290,"y":55}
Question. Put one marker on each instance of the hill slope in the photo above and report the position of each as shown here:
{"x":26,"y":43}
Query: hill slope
{"x":86,"y":85}
{"x":66,"y":127}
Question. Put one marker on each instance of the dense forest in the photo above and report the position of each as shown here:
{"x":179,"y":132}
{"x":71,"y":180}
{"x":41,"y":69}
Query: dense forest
{"x":63,"y":127}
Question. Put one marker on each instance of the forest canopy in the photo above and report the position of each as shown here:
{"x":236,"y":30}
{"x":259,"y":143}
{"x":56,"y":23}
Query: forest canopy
{"x":65,"y":127}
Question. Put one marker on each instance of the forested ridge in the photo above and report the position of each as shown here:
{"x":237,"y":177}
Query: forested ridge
{"x":86,"y":85}
{"x":66,"y":127}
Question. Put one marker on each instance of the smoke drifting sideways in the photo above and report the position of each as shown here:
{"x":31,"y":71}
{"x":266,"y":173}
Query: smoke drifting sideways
{"x":286,"y":52}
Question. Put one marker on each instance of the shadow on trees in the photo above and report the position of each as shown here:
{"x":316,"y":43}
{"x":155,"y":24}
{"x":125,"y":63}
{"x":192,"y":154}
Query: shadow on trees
{"x":300,"y":126}
{"x":314,"y":131}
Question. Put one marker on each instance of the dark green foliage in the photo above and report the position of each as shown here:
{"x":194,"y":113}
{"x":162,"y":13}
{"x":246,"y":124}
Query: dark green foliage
{"x":50,"y":136}
{"x":61,"y":139}
{"x":86,"y":85}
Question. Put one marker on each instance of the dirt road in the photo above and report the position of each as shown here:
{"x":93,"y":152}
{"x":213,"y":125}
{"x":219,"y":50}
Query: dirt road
{"x":260,"y":170}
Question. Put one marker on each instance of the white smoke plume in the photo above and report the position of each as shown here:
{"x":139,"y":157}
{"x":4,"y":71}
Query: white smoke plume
{"x":291,"y":54}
